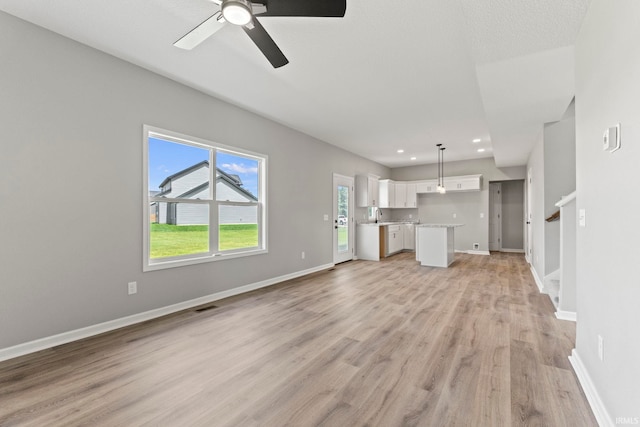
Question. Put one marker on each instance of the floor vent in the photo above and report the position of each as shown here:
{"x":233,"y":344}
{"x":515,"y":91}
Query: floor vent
{"x":209,"y":307}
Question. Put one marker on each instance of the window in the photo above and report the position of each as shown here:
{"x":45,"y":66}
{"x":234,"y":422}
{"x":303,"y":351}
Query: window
{"x":197,"y":213}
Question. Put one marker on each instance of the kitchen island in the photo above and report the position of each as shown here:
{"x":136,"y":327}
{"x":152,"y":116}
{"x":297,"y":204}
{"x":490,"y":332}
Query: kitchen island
{"x":435,"y":244}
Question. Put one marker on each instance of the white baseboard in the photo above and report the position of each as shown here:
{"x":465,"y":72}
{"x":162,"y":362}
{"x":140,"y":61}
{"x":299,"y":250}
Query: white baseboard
{"x":537,"y":279}
{"x":516,"y":251}
{"x":566,"y":315}
{"x":472,"y":252}
{"x":89,"y":331}
{"x":597,"y":406}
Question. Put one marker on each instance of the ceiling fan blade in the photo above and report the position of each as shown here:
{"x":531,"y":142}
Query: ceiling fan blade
{"x":202,"y":32}
{"x":265,"y":43}
{"x":319,"y":8}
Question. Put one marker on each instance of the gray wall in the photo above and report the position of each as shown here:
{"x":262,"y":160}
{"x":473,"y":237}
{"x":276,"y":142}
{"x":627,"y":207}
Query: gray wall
{"x":513,"y":214}
{"x":608,"y":92}
{"x":71,"y":120}
{"x":559,"y":180}
{"x":467,"y":206}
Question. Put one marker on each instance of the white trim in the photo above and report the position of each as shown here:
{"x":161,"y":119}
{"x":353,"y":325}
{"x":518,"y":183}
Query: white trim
{"x":516,"y":251}
{"x":89,"y":331}
{"x":566,"y":315}
{"x":597,"y":406}
{"x":537,"y":280}
{"x":472,"y":252}
{"x":566,"y":199}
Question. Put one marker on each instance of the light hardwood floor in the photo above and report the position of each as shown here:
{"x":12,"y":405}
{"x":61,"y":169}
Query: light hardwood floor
{"x":385,"y":343}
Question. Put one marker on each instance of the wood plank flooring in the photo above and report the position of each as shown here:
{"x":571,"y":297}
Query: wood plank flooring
{"x":385,"y":343}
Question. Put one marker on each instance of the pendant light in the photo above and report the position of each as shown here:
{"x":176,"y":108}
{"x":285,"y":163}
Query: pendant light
{"x":442,"y":190}
{"x":439,"y":180}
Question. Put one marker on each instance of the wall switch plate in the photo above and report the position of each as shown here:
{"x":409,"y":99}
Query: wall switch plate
{"x":132,"y":288}
{"x":582,"y":217}
{"x":454,"y":215}
{"x":611,"y":138}
{"x":481,"y":214}
{"x":326,"y":217}
{"x":302,"y":255}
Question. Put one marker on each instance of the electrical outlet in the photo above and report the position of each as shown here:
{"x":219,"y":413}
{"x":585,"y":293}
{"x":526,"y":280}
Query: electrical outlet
{"x":132,"y":288}
{"x":302,"y":255}
{"x":600,"y":347}
{"x":454,"y":215}
{"x":476,"y":246}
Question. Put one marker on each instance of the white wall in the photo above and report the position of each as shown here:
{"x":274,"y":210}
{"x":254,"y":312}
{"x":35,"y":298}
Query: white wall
{"x":535,"y":189}
{"x":608,"y":92}
{"x":559,"y":180}
{"x":467,"y":206}
{"x":71,"y":186}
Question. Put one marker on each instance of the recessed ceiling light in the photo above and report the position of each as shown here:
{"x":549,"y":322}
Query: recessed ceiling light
{"x":476,"y":140}
{"x":413,"y":158}
{"x":480,"y":150}
{"x":401,"y":151}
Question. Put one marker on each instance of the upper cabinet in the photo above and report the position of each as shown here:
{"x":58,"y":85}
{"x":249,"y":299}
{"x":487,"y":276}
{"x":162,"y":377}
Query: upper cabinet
{"x":398,"y":194}
{"x":463,"y":183}
{"x":387,"y":193}
{"x":367,"y":191}
{"x":452,"y":184}
{"x":412,"y":195}
{"x":427,"y":186}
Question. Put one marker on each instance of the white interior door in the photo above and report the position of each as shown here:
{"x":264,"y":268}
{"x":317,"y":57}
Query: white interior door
{"x":343,"y":225}
{"x":495,"y":216}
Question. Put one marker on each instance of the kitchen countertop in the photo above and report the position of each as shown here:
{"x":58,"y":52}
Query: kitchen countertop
{"x":439,"y":225}
{"x":383,"y":223}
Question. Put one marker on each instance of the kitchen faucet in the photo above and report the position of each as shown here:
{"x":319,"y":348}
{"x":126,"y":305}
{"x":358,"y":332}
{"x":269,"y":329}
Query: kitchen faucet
{"x":378,"y":212}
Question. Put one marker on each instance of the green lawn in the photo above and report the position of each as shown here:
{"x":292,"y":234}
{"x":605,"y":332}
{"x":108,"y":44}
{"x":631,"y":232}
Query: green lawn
{"x":343,"y":238}
{"x":172,"y":240}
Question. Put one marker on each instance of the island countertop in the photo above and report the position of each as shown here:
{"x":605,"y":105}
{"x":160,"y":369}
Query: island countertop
{"x":439,"y":225}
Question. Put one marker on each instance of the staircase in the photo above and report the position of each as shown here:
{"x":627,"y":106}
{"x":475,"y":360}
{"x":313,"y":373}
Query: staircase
{"x":552,"y":287}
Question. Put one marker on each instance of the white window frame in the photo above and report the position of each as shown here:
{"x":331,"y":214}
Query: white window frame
{"x":213,"y":254}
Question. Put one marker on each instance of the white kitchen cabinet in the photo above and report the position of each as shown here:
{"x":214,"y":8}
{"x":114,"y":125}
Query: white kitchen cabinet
{"x":427,"y":186}
{"x":412,"y":196}
{"x":394,"y":239}
{"x":409,"y":237}
{"x":463,"y":183}
{"x":367,"y":191}
{"x":370,"y":242}
{"x":387,"y":193}
{"x":400,"y":200}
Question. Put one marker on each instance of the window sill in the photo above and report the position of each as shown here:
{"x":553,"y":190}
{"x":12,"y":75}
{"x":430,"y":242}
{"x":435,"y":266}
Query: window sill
{"x":164,"y":264}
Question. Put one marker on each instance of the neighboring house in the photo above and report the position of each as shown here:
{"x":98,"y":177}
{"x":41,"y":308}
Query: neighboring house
{"x":193,"y":183}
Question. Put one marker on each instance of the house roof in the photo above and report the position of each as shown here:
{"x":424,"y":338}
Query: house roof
{"x":232,"y":179}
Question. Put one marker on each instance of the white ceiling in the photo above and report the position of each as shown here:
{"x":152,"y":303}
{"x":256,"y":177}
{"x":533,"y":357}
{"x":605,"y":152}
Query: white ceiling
{"x":378,"y":80}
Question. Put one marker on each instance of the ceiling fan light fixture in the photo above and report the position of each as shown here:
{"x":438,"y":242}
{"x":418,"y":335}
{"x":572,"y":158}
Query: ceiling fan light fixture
{"x":237,"y":12}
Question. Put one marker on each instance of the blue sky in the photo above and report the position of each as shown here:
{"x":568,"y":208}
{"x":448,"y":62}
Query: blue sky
{"x":167,"y":158}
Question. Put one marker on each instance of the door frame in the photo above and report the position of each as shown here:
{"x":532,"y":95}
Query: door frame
{"x":348,"y":255}
{"x":528,"y":219}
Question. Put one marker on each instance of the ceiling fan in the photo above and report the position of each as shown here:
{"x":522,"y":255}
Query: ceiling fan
{"x":243,"y":13}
